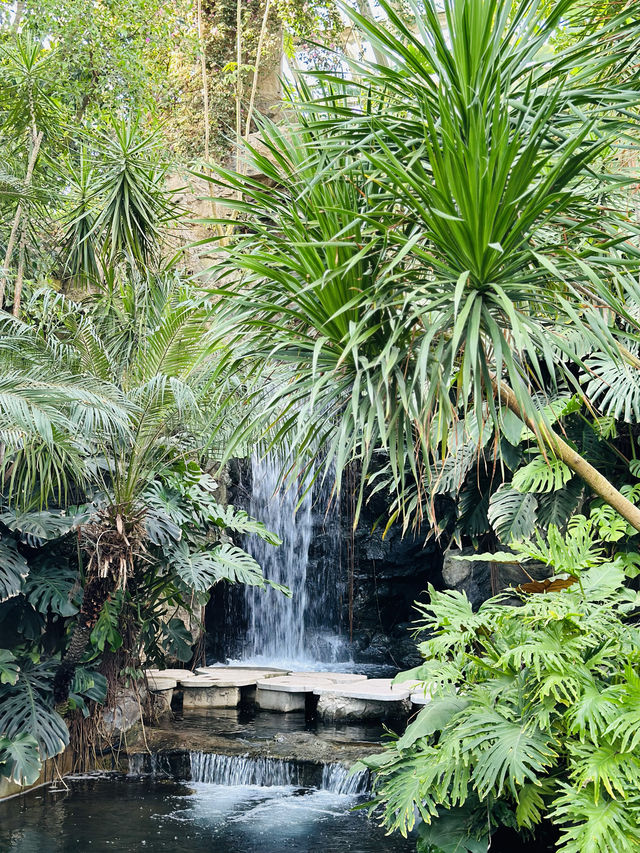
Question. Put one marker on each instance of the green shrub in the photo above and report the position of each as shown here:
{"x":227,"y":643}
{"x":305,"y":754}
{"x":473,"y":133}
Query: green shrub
{"x":535,"y":712}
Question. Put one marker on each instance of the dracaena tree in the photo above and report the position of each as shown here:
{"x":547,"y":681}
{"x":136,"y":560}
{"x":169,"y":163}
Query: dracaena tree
{"x":443,"y":244}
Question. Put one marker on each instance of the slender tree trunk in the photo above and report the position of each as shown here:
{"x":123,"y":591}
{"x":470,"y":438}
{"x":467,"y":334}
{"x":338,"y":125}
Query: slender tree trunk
{"x":17,"y":219}
{"x":205,"y":83}
{"x":591,"y":476}
{"x":254,"y":86}
{"x":17,"y":18}
{"x":17,"y":290}
{"x":364,"y":7}
{"x":239,"y":81}
{"x":96,"y":592}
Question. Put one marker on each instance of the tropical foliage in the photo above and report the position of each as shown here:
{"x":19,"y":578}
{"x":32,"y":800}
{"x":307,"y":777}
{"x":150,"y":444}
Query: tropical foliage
{"x":436,"y":264}
{"x":533,"y":711}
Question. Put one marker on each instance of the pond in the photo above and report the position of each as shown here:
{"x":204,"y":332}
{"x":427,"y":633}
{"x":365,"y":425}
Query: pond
{"x":112,"y":812}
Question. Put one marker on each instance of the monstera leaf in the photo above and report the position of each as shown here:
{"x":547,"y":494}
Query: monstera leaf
{"x":449,"y":833}
{"x":20,"y":759}
{"x":26,"y":707}
{"x":241,"y":522}
{"x":87,"y":684}
{"x":512,"y":514}
{"x":236,"y":566}
{"x":541,"y":475}
{"x":49,"y":587}
{"x":36,"y":527}
{"x":161,"y":529}
{"x":13,"y":569}
{"x":200,"y":570}
{"x":177,"y":639}
{"x":9,"y":668}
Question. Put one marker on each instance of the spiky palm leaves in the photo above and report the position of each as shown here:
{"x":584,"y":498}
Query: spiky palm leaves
{"x":435,"y":229}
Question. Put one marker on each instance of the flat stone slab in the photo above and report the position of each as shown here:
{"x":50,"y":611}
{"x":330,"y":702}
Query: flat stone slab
{"x":306,"y":683}
{"x":247,"y":668}
{"x":373,"y":689}
{"x":420,"y":695}
{"x":198,"y":681}
{"x":160,"y":682}
{"x":235,"y":677}
{"x":334,"y":677}
{"x":171,"y":673}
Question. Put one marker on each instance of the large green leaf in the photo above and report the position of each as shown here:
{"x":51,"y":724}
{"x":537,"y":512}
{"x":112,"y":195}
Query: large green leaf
{"x":36,"y":527}
{"x":557,"y":507}
{"x":512,"y":514}
{"x":49,"y":586}
{"x":541,"y":475}
{"x":240,"y":521}
{"x":432,"y":718}
{"x":27,"y":708}
{"x":200,"y":570}
{"x":13,"y":569}
{"x":9,"y":667}
{"x":506,"y":753}
{"x":449,"y":833}
{"x":20,"y":759}
{"x":236,"y":566}
{"x":177,"y":639}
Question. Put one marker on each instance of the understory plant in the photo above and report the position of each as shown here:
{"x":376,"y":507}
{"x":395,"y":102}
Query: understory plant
{"x":111,"y":534}
{"x":534,"y":717}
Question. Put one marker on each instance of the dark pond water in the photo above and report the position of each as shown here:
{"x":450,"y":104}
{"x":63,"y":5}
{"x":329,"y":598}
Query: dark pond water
{"x":263,"y":725}
{"x":125,"y":815}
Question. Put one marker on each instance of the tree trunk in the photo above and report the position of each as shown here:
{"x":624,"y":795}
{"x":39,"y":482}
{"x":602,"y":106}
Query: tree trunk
{"x":238,"y":82}
{"x":254,"y":85}
{"x":591,"y":476}
{"x":17,"y":290}
{"x":17,"y":219}
{"x":96,"y":592}
{"x":205,"y":82}
{"x":364,"y":7}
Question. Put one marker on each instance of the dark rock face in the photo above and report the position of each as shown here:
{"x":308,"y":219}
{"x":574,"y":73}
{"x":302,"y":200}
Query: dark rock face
{"x":389,"y":575}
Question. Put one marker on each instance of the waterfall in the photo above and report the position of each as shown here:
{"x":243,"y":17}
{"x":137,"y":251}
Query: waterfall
{"x":276,"y":623}
{"x":340,"y":780}
{"x":303,"y":629}
{"x":237,"y":770}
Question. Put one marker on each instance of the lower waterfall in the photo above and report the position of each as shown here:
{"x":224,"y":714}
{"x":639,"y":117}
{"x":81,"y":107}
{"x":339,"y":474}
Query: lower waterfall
{"x":234,"y":770}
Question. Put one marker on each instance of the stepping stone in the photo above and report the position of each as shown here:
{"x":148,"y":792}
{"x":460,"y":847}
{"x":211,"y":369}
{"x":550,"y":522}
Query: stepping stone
{"x":374,"y":699}
{"x":421,"y":695}
{"x":334,"y":677}
{"x":248,"y":675}
{"x":247,"y":668}
{"x":288,"y":692}
{"x":171,"y":673}
{"x":157,"y":683}
{"x":162,"y":687}
{"x":222,"y":687}
{"x":200,"y":691}
{"x":244,"y":678}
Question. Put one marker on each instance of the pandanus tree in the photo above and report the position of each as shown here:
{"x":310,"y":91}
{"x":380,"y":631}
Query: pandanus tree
{"x":443,"y":245}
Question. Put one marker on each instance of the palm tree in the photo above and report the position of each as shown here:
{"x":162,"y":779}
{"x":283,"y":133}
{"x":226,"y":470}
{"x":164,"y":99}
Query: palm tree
{"x":146,"y":337}
{"x":442,"y":246}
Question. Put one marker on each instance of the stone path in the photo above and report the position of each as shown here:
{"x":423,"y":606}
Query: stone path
{"x":339,"y":695}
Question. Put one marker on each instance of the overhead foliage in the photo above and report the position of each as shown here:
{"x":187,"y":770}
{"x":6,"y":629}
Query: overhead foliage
{"x":426,"y":256}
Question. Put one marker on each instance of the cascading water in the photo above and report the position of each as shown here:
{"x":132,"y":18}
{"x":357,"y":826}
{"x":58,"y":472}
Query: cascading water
{"x":276,"y":622}
{"x":302,"y":629}
{"x":237,"y":771}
